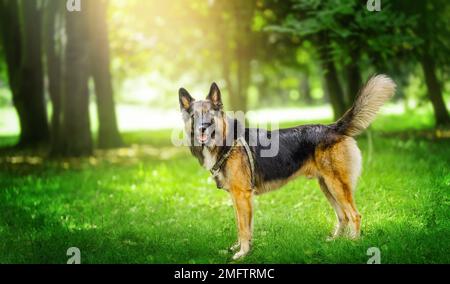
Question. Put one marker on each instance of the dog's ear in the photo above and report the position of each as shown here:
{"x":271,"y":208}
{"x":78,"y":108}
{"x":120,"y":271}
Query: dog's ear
{"x":185,"y":99}
{"x":215,"y":97}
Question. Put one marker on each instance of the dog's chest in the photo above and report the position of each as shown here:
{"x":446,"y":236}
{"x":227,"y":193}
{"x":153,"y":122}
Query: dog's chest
{"x":209,"y":160}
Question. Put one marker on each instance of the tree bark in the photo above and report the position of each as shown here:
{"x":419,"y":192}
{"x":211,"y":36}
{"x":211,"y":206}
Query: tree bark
{"x":243,"y":79}
{"x":76,"y":123}
{"x":236,"y":60}
{"x":108,"y":136}
{"x":12,"y":44}
{"x":332,"y":84}
{"x":226,"y":73}
{"x":354,"y":79}
{"x":244,"y":12}
{"x":33,"y":73}
{"x":22,"y":44}
{"x":54,"y":52}
{"x":435,"y":91}
{"x":305,"y":89}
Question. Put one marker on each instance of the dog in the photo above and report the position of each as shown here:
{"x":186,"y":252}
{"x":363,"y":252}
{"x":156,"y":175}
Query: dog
{"x":329,"y":153}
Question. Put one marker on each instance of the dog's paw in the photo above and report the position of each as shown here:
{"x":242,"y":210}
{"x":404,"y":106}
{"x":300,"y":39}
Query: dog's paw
{"x":240,"y":254}
{"x":354,"y":236}
{"x":235,"y":247}
{"x":331,"y":238}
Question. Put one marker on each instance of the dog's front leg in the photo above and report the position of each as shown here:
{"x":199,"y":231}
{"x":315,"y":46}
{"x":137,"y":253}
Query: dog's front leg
{"x":242,"y":199}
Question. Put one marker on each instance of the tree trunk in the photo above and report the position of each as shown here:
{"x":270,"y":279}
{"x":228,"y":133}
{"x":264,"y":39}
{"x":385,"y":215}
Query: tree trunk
{"x":54,"y":52}
{"x":244,"y":12}
{"x":235,"y":36}
{"x":76,"y":123}
{"x":305,"y":89}
{"x":263,"y":90}
{"x":354,"y":80}
{"x":435,"y":91}
{"x":12,"y":44}
{"x":243,"y":79}
{"x":23,"y":57}
{"x":334,"y":90}
{"x":108,"y":136}
{"x":226,"y":73}
{"x":332,"y":83}
{"x":33,"y":74}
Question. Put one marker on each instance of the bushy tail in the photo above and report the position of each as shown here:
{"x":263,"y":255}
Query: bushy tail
{"x":373,"y":95}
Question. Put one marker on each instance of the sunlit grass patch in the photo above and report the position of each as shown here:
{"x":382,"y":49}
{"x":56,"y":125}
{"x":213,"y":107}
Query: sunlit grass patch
{"x":141,"y":205}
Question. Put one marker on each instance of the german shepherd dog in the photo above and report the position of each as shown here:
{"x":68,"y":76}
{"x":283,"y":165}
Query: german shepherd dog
{"x":326,"y":152}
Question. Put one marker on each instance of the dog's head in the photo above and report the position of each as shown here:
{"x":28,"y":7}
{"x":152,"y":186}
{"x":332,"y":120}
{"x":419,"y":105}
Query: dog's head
{"x":204,"y":119}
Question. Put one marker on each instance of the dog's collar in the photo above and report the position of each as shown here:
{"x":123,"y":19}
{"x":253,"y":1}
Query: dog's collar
{"x":215,"y":170}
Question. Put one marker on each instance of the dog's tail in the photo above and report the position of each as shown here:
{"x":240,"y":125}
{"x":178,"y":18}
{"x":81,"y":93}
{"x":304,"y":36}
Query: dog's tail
{"x":373,"y":95}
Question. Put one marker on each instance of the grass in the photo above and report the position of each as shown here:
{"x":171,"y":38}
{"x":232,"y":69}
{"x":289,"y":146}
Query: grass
{"x":153,"y":203}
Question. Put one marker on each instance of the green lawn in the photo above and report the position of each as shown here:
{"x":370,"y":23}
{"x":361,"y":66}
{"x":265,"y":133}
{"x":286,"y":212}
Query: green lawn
{"x":153,"y":203}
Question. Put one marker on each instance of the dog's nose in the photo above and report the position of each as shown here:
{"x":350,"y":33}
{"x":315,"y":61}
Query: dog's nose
{"x":202,"y":129}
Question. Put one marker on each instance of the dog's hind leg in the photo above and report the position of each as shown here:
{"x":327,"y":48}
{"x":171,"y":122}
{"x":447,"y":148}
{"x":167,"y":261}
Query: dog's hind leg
{"x":342,"y":219}
{"x":353,"y":172}
{"x":356,"y":224}
{"x":340,"y":166}
{"x":342,"y":192}
{"x":235,"y":247}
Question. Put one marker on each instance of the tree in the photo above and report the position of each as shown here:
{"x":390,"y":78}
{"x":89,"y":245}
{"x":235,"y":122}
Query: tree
{"x":20,"y":27}
{"x":352,"y":70}
{"x":70,"y":65}
{"x":77,"y":138}
{"x":108,"y":136}
{"x":315,"y":21}
{"x":343,"y":31}
{"x":332,"y":83}
{"x":433,"y":29}
{"x":434,"y":90}
{"x":54,"y":51}
{"x":236,"y":41}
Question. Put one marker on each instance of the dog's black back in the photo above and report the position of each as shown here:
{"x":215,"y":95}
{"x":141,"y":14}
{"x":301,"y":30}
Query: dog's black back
{"x":296,"y":146}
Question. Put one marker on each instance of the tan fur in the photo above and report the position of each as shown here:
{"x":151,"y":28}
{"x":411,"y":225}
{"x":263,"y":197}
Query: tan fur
{"x":338,"y":175}
{"x":185,"y":103}
{"x":374,"y":94}
{"x":336,"y":166}
{"x":238,"y":181}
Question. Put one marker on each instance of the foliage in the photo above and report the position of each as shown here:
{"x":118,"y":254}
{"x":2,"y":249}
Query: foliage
{"x":350,"y":25}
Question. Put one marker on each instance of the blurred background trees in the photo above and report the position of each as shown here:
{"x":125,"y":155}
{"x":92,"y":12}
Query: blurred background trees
{"x":433,"y":30}
{"x":264,"y":53}
{"x":21,"y":41}
{"x":74,"y":47}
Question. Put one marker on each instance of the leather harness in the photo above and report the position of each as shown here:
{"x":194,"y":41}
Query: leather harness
{"x":215,"y":170}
